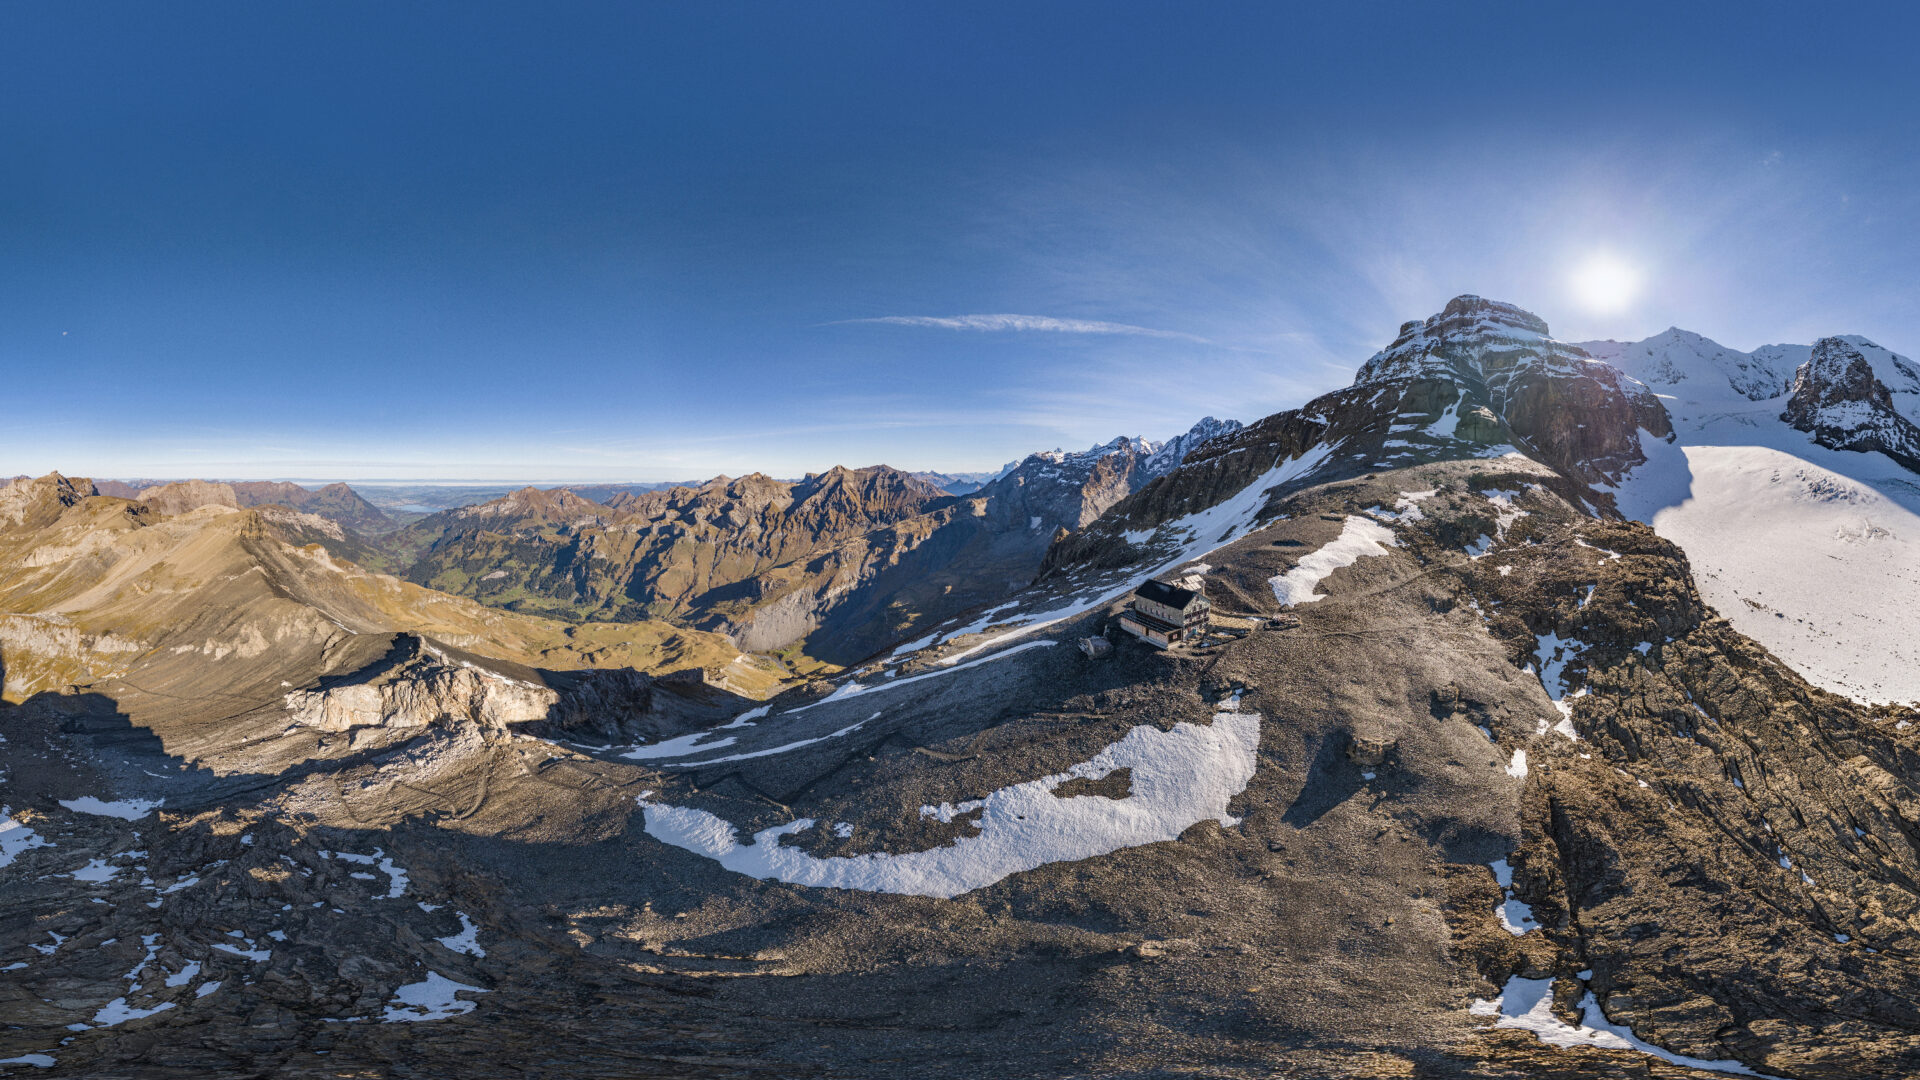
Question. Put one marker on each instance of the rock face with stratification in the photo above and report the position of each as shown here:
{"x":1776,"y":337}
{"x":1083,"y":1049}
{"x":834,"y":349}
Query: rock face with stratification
{"x":1839,"y":400}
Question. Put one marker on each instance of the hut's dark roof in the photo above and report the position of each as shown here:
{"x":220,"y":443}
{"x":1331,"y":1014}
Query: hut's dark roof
{"x":1162,"y":593}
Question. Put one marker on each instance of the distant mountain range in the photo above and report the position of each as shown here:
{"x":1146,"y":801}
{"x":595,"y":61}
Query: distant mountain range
{"x":843,"y":562}
{"x":837,"y":564}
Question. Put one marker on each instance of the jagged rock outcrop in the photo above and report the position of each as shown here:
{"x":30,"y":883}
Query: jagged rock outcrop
{"x":1568,"y":410}
{"x":1175,"y":450}
{"x":1838,"y":399}
{"x":419,"y":683}
{"x":48,"y":652}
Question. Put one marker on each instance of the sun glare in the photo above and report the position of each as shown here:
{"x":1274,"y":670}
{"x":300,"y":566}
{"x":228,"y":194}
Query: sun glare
{"x":1605,"y":283}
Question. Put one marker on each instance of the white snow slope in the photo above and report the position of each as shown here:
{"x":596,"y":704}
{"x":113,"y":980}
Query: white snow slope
{"x":1814,"y":553}
{"x":1359,"y":538}
{"x":1179,"y":778}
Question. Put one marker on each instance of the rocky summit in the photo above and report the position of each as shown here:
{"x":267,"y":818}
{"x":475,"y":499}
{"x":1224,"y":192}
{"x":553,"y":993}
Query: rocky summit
{"x":1551,"y":712}
{"x":1838,"y":398}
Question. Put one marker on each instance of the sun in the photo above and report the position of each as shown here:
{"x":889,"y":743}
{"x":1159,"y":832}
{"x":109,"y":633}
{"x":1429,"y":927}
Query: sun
{"x":1605,"y":283}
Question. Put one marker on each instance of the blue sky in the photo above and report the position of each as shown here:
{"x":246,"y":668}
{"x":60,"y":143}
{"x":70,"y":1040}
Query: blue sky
{"x":641,"y":242}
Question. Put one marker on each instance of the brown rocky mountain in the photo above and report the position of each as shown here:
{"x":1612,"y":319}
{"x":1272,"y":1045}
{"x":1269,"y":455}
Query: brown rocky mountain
{"x":844,"y":563}
{"x":119,"y":489}
{"x":337,"y":503}
{"x":181,"y":496}
{"x":222,"y":602}
{"x":660,"y":554}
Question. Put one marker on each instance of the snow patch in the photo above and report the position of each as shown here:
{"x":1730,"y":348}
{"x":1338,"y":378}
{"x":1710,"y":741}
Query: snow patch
{"x":947,"y":666}
{"x":1516,"y":916}
{"x":680,"y":747}
{"x":1527,"y":1004}
{"x":95,"y":870}
{"x":784,"y":747}
{"x":125,"y":809}
{"x":1179,"y":778}
{"x":1359,"y":537}
{"x":118,"y":1011}
{"x":16,"y":838}
{"x":396,"y":876}
{"x":432,"y":998}
{"x":467,"y":940}
{"x":1554,"y":653}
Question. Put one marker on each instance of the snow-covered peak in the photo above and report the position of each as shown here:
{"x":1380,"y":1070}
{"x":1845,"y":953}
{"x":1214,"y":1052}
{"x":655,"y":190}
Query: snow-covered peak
{"x":1697,"y":373}
{"x":1463,"y":339}
{"x":1840,"y":398}
{"x":1174,"y":451}
{"x":1677,"y":359}
{"x":1898,"y":374}
{"x":1121,"y":445}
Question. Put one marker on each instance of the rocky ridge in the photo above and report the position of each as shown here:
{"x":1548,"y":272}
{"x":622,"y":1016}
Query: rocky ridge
{"x":1837,"y":398}
{"x":1480,"y":379}
{"x":844,"y":562}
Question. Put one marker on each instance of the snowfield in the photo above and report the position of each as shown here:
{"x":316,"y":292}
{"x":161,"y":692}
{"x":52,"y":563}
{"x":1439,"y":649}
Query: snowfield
{"x":1786,"y":540}
{"x":1179,"y":778}
{"x":1820,"y":568}
{"x":1359,"y":538}
{"x":1814,"y":553}
{"x":124,"y":809}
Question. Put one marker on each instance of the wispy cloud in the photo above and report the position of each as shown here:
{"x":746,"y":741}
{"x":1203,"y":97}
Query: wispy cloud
{"x":1041,"y":323}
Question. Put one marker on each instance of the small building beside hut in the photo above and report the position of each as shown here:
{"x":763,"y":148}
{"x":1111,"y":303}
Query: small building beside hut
{"x":1163,"y":615}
